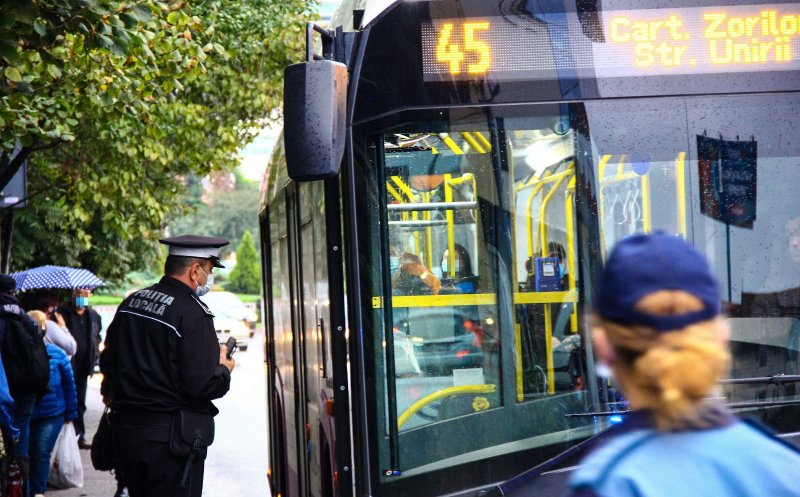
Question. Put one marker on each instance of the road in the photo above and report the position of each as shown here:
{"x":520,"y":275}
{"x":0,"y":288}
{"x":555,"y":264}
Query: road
{"x":237,"y":461}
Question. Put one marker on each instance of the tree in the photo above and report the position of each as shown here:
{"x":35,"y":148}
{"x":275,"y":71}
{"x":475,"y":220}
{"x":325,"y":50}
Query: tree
{"x":245,"y":277}
{"x":227,"y":213}
{"x":118,"y":129}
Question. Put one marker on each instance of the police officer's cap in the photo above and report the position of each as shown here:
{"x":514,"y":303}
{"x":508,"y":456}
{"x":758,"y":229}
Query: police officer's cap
{"x":201,"y":247}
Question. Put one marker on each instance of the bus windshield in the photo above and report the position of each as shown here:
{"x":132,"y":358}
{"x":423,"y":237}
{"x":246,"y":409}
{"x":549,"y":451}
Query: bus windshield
{"x":487,"y":263}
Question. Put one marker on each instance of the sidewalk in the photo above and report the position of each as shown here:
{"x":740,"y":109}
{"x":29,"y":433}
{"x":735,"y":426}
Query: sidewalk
{"x":95,"y":483}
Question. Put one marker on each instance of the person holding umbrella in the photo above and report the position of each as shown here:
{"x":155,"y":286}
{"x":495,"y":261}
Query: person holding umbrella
{"x":84,"y":323}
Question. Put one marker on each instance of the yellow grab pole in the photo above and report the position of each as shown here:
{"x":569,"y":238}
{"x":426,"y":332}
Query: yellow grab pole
{"x":451,"y":229}
{"x":680,"y":179}
{"x":518,"y":361}
{"x":571,"y":250}
{"x":394,"y":193}
{"x":529,"y":218}
{"x":486,"y":143}
{"x":451,"y":144}
{"x":543,"y":212}
{"x":647,"y":215}
{"x":428,"y":233}
{"x":473,"y":142}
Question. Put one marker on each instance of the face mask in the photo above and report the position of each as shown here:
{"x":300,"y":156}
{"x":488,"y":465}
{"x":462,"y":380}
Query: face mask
{"x":81,"y":302}
{"x":394,"y":264}
{"x":202,"y":290}
{"x":445,"y":266}
{"x":603,"y":370}
{"x":563,"y":268}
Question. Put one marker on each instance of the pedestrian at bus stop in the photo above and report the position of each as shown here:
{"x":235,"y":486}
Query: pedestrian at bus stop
{"x":84,"y":323}
{"x":162,"y":367}
{"x":659,"y":330}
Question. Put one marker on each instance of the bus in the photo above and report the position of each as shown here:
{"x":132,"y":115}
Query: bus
{"x":450,"y":177}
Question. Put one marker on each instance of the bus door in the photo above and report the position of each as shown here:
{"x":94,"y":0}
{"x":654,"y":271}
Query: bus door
{"x":314,"y":315}
{"x":296,"y":417}
{"x":473,"y":361}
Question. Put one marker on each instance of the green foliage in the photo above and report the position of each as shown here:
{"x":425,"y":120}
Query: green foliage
{"x":121,"y":103}
{"x":245,"y":277}
{"x":227,"y":214}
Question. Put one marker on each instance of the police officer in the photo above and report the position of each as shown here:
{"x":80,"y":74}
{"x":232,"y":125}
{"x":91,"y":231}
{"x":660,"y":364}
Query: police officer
{"x":162,"y":367}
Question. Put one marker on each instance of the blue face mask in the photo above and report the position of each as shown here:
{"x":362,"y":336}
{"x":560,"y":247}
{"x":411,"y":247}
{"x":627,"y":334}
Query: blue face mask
{"x":563,"y":268}
{"x":81,"y":302}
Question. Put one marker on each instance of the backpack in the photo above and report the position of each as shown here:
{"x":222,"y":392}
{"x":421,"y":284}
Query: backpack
{"x":25,"y":357}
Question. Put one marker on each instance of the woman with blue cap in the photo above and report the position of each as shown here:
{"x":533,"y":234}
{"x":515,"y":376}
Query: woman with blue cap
{"x":660,"y":333}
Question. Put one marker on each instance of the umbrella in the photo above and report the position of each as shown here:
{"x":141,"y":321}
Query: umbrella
{"x":56,"y":277}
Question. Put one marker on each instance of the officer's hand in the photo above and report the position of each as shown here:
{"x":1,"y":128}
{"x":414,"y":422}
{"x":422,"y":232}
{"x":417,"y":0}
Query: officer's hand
{"x":223,"y":358}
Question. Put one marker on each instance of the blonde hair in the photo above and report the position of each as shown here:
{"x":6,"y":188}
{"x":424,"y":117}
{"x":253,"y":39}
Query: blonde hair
{"x":40,"y":318}
{"x":674,"y":371}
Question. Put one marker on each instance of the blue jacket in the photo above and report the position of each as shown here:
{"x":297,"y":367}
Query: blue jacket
{"x":729,"y":460}
{"x":62,"y":399}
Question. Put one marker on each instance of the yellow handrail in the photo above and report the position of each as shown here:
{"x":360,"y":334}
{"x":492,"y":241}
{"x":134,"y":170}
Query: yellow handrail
{"x":486,"y":143}
{"x":680,"y":180}
{"x":426,"y":197}
{"x":451,"y":144}
{"x":518,"y":363}
{"x":473,"y":142}
{"x":446,"y":392}
{"x":647,"y":214}
{"x":571,"y":249}
{"x":451,"y":228}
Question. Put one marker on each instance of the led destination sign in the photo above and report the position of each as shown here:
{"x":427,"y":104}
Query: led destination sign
{"x":635,"y":43}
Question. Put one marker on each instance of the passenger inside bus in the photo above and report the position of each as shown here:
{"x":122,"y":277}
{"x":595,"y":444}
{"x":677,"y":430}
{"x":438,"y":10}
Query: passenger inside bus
{"x":409,"y":274}
{"x":464,"y":280}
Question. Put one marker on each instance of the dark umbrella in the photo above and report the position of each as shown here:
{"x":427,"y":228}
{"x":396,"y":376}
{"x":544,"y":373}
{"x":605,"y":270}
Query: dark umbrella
{"x":56,"y":277}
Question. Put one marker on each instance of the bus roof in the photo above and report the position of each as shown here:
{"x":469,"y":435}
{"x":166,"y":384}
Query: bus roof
{"x":343,"y":16}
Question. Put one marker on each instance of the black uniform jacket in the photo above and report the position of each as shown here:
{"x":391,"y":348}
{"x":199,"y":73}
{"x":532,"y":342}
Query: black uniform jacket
{"x":87,"y":340}
{"x":161,"y":352}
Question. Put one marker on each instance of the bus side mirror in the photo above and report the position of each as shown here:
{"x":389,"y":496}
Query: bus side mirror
{"x":314,"y":107}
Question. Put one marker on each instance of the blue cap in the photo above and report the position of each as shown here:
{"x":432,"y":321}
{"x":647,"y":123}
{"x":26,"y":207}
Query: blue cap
{"x":642,"y":264}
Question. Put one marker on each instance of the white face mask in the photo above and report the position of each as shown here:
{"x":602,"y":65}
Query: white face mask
{"x":603,"y":370}
{"x":202,"y":290}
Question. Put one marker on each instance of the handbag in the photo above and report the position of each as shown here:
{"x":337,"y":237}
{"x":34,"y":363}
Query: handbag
{"x":66,"y":468}
{"x":102,"y":452}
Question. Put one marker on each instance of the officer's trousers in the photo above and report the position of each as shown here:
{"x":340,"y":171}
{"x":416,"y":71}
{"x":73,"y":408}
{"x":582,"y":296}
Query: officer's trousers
{"x":141,"y":447}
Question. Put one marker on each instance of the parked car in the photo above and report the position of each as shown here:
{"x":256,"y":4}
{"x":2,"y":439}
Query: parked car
{"x":227,"y":325}
{"x":233,"y":307}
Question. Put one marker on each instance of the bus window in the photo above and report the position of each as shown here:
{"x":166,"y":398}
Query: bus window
{"x":548,"y":345}
{"x":721,"y":172}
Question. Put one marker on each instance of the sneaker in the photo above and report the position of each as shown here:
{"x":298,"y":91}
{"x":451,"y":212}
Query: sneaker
{"x":121,"y":492}
{"x":39,"y":495}
{"x":83,"y":444}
